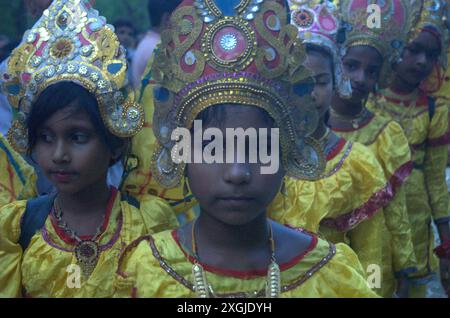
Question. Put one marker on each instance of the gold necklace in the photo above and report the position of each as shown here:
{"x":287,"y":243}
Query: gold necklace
{"x":204,"y":290}
{"x":354,"y":120}
{"x":87,"y":252}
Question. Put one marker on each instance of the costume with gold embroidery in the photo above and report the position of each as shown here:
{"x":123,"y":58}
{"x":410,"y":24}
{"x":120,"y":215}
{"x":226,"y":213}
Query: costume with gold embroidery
{"x":238,"y":52}
{"x":425,"y":122}
{"x":71,"y":42}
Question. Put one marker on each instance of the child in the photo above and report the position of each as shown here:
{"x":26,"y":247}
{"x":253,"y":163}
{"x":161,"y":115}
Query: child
{"x":368,"y":54}
{"x":73,"y":116}
{"x":232,"y":249}
{"x":353,"y":189}
{"x":425,"y":122}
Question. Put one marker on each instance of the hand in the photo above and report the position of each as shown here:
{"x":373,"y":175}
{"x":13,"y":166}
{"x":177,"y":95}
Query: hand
{"x":445,"y":274}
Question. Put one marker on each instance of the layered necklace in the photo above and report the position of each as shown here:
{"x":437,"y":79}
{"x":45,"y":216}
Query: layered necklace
{"x":87,"y":252}
{"x":204,"y":290}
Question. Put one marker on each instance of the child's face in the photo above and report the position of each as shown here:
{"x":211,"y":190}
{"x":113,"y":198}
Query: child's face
{"x":70,"y":152}
{"x":235,"y":193}
{"x":362,"y":64}
{"x":419,"y":58}
{"x":320,"y":66}
{"x":126,"y":37}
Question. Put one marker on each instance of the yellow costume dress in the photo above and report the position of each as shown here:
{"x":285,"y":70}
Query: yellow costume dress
{"x":43,"y":269}
{"x":345,"y":202}
{"x":426,"y":189}
{"x":159,"y":267}
{"x":70,"y":42}
{"x":17,"y":177}
{"x":387,"y":142}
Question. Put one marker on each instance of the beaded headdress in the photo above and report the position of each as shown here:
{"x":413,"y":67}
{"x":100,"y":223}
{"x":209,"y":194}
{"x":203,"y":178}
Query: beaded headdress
{"x":318,"y":24}
{"x":397,"y":18}
{"x":70,"y":42}
{"x":238,"y":52}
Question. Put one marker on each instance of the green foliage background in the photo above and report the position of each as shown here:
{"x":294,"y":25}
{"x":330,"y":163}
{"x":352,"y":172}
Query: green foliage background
{"x":14,"y":20}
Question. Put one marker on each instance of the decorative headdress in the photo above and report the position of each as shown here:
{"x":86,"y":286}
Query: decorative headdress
{"x":317,"y":24}
{"x":239,"y":52}
{"x":432,"y":19}
{"x":70,"y":42}
{"x":397,"y":19}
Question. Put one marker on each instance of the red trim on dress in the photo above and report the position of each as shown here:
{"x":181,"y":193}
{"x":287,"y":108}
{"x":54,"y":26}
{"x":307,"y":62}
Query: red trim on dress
{"x":337,"y":149}
{"x":253,"y":273}
{"x":369,"y":120}
{"x":422,"y":99}
{"x":377,"y":201}
{"x":67,"y":239}
{"x":439,"y":141}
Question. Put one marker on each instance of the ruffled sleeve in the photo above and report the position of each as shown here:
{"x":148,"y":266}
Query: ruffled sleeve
{"x":157,"y":215}
{"x":10,"y":250}
{"x":17,"y":177}
{"x":393,"y":151}
{"x":366,"y":239}
{"x":436,"y":155}
{"x":353,"y":190}
{"x":342,"y":277}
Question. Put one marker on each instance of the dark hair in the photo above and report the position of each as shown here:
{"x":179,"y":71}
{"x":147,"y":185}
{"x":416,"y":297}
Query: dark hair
{"x":216,"y":114}
{"x":61,"y":95}
{"x":316,"y":49}
{"x":157,"y":8}
{"x":125,"y":23}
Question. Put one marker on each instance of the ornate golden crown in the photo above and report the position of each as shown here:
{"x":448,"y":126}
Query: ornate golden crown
{"x":242,"y":52}
{"x":398,"y":18}
{"x":71,"y":42}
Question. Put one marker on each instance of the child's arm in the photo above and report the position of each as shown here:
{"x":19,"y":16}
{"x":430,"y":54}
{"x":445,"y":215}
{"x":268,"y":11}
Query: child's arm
{"x":17,"y":177}
{"x":10,"y":250}
{"x":434,"y":168}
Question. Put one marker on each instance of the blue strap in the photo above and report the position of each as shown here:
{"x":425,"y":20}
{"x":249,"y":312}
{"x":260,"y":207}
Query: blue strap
{"x":431,"y":107}
{"x":34,"y":218}
{"x":131,"y":200}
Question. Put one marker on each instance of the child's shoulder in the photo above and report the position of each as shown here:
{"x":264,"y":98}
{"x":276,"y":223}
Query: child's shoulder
{"x":10,"y":220}
{"x":293,"y":244}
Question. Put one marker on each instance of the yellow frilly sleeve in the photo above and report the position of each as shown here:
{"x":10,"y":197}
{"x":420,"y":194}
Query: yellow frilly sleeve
{"x":10,"y":250}
{"x":394,"y":154}
{"x":436,"y":156}
{"x":366,"y":239}
{"x":140,"y":182}
{"x":350,"y":195}
{"x":342,"y":277}
{"x":17,"y":177}
{"x":157,"y":215}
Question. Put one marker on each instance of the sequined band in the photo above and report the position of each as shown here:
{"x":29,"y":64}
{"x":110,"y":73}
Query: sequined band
{"x":340,"y":163}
